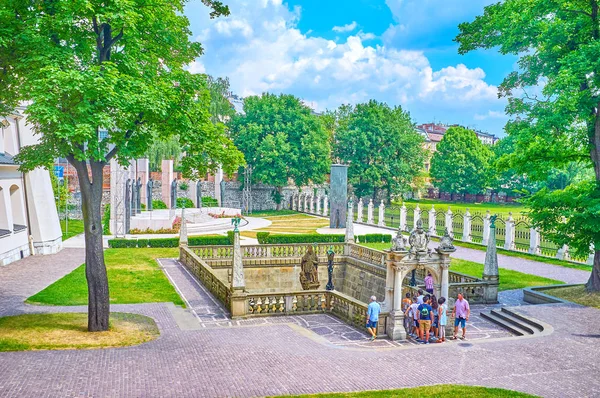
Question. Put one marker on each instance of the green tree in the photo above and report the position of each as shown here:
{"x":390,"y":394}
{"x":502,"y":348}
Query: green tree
{"x":221,"y":110}
{"x":461,"y":163}
{"x":381,"y":147}
{"x":554,"y":98}
{"x":282,"y":141}
{"x":88,"y":66}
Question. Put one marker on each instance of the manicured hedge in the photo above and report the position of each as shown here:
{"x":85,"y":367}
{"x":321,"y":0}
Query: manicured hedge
{"x":374,"y":238}
{"x":172,"y":242}
{"x":262,"y":237}
{"x":158,"y":205}
{"x":207,"y":201}
{"x":185,"y":202}
{"x":275,"y":239}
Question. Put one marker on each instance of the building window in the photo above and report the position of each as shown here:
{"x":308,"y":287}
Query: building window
{"x":16,"y":202}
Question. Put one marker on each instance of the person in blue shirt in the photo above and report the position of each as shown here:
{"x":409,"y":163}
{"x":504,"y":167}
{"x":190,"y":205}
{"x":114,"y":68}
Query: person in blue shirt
{"x":373,"y":317}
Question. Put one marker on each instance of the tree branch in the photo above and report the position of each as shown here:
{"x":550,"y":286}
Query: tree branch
{"x":577,"y":12}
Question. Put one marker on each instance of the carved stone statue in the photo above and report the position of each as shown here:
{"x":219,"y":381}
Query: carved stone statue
{"x":330,"y":255}
{"x":309,"y":276}
{"x":446,"y":242}
{"x":399,"y":242}
{"x":419,"y":239}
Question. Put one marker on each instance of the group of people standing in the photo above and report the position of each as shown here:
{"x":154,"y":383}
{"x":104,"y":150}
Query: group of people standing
{"x":425,"y":315}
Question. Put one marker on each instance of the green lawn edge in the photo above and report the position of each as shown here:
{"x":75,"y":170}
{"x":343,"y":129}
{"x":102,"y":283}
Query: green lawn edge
{"x":437,"y":391}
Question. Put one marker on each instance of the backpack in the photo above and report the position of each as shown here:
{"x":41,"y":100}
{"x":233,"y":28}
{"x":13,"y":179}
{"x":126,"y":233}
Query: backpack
{"x":425,"y":313}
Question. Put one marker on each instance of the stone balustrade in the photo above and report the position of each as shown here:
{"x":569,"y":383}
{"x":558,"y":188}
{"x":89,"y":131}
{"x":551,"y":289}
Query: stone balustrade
{"x":368,"y":255}
{"x":206,"y":275}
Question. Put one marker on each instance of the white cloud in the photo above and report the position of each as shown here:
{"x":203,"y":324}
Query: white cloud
{"x":261,"y":49}
{"x":345,"y":28}
{"x":196,"y":67}
{"x":490,"y":115}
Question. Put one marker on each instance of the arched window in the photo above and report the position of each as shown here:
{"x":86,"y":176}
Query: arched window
{"x":5,"y":228}
{"x":18,"y":209}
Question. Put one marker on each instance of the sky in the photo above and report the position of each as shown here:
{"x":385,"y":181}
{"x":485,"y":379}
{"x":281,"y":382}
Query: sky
{"x":333,"y":52}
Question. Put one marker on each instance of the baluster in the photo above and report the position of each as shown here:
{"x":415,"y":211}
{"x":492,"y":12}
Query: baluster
{"x":281,"y":304}
{"x":259,"y":306}
{"x":295,"y":304}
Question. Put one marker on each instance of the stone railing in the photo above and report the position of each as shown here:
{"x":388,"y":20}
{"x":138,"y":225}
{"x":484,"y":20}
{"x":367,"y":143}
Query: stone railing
{"x":206,"y":275}
{"x":474,"y":292}
{"x":368,"y":255}
{"x":266,"y":251}
{"x":457,"y":277}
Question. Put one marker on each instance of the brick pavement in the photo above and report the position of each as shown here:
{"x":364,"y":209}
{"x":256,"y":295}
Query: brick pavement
{"x":276,"y":359}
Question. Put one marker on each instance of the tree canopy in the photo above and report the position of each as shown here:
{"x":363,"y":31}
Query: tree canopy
{"x":282,"y":141}
{"x":554,"y":99}
{"x":381,"y":147}
{"x":461,"y":163}
{"x":116,"y":67}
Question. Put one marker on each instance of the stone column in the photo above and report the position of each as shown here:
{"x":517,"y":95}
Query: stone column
{"x":143,"y":173}
{"x":218,"y":187}
{"x":467,"y":226}
{"x":238,"y":281}
{"x":325,"y":203}
{"x":432,"y":229}
{"x":381,"y":221}
{"x":312,"y":204}
{"x":305,"y":204}
{"x":449,"y":222}
{"x":183,"y":236}
{"x":590,"y":260}
{"x":318,"y":204}
{"x":534,"y":241}
{"x":486,"y":228}
{"x":389,"y":285}
{"x":416,"y":215}
{"x":403,"y":218}
{"x":359,"y":210}
{"x":166,"y":179}
{"x":509,"y":243}
{"x":445,"y":280}
{"x":349,"y":224}
{"x":563,"y":253}
{"x":490,"y":268}
{"x":395,"y":325}
{"x":370,"y":212}
{"x":117,"y":198}
{"x":299,"y":204}
{"x":338,"y":195}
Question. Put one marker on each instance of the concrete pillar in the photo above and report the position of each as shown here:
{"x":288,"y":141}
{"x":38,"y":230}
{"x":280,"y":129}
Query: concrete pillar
{"x":395,"y":325}
{"x":449,"y":222}
{"x":143,"y":173}
{"x":490,"y":269}
{"x":338,"y":195}
{"x":238,"y":281}
{"x":389,"y":287}
{"x":416,"y":215}
{"x":325,"y":203}
{"x":403,"y":218}
{"x":370,"y":212}
{"x":305,"y":204}
{"x":432,"y":229}
{"x":467,"y":227}
{"x":218,"y":179}
{"x":563,"y":253}
{"x":534,"y":241}
{"x":318,"y":204}
{"x":509,"y":242}
{"x":590,"y":260}
{"x":445,"y":280}
{"x":486,"y":228}
{"x":166,"y":179}
{"x":183,"y":236}
{"x":349,"y":224}
{"x":381,"y":221}
{"x":359,"y":210}
{"x":311,"y":204}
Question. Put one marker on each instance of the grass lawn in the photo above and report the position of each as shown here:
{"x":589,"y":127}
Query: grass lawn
{"x":133,"y":277}
{"x":295,"y":223}
{"x":270,"y":213}
{"x":509,"y":279}
{"x":494,"y":208}
{"x":437,"y":391}
{"x":576,"y":294}
{"x":69,"y":331}
{"x":75,"y":227}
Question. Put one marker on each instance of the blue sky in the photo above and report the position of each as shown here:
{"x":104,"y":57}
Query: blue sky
{"x":330,"y":52}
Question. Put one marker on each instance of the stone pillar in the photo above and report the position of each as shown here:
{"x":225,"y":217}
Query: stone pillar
{"x":449,"y":222}
{"x":563,"y":253}
{"x":218,"y":187}
{"x":486,"y":228}
{"x":395,"y":324}
{"x":349,"y":224}
{"x":432,"y":229}
{"x":312,"y":204}
{"x":590,"y":260}
{"x":338,"y":195}
{"x":318,"y":204}
{"x":359,"y":210}
{"x":183,"y":236}
{"x":467,"y":226}
{"x":445,"y":288}
{"x":127,"y":205}
{"x":509,"y":243}
{"x":381,"y":221}
{"x":143,"y":173}
{"x":416,"y":215}
{"x":403,"y":218}
{"x":238,"y":281}
{"x":165,"y":179}
{"x":370,"y":212}
{"x":388,"y":302}
{"x":294,"y":202}
{"x":325,"y":210}
{"x":534,"y":241}
{"x":490,"y":269}
{"x":305,"y":204}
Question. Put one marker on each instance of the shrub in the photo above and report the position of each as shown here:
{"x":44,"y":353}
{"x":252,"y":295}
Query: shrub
{"x":303,"y":238}
{"x":374,"y":238}
{"x":210,"y":240}
{"x":184,"y":186}
{"x":164,"y":242}
{"x":136,"y":231}
{"x":143,"y":206}
{"x":262,"y":237}
{"x":142,"y":243}
{"x":230,"y":237}
{"x":106,"y":220}
{"x":158,"y":205}
{"x":185,"y":202}
{"x":207,"y":201}
{"x":122,"y":243}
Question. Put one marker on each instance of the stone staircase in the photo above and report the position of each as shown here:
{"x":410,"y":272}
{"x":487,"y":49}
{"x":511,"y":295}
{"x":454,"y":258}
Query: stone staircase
{"x":513,"y":322}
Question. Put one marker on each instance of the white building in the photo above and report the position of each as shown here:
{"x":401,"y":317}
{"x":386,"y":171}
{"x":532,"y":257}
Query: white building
{"x":28,"y":219}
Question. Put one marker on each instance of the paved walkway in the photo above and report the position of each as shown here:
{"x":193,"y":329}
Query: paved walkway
{"x":275,"y":358}
{"x":567,"y":275}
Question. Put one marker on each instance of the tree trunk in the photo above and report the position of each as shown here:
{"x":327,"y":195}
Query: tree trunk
{"x":95,"y":269}
{"x":593,"y":284}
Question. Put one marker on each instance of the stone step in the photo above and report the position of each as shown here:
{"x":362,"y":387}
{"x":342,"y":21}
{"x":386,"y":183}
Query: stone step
{"x":514,"y":321}
{"x":493,"y":317}
{"x":524,"y":319}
